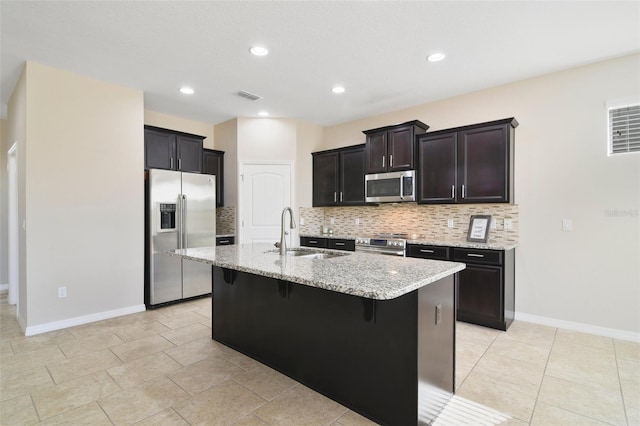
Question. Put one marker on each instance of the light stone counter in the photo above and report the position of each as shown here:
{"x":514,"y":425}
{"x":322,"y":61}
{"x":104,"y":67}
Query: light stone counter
{"x":359,"y":274}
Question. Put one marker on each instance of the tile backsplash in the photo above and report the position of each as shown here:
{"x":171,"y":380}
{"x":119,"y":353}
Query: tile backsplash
{"x":428,"y":221}
{"x":226,"y":220}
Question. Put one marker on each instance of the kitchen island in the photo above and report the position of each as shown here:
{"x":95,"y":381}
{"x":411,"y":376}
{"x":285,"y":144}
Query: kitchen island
{"x":375,"y":333}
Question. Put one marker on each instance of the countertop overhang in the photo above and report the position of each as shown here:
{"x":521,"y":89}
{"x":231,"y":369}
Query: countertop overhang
{"x":366,"y":275}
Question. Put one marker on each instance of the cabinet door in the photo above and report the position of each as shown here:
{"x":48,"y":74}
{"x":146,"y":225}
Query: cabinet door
{"x":313,"y":242}
{"x":437,"y":165}
{"x":189,"y":152}
{"x":480,"y":297}
{"x":376,"y":152}
{"x":213,"y":164}
{"x":159,"y":150}
{"x":340,"y":244}
{"x":352,"y":177}
{"x":400,"y":149}
{"x":325,"y":179}
{"x":483,"y":168}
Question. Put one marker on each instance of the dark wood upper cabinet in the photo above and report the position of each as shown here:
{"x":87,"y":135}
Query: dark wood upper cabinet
{"x":470,"y":164}
{"x":338,"y":177}
{"x":171,"y":150}
{"x":213,"y":164}
{"x":391,"y":148}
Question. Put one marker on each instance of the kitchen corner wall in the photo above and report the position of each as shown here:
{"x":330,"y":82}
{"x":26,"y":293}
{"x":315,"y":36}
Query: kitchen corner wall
{"x":428,"y":221}
{"x":80,"y":152}
{"x":586,"y":278}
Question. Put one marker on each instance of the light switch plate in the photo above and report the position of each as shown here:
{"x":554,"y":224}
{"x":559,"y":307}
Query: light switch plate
{"x":333,"y":221}
{"x":508,"y":224}
{"x":450,"y":223}
{"x":567,"y":225}
{"x":302,"y":221}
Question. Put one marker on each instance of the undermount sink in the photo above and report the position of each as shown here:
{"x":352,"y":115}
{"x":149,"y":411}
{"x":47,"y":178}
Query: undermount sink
{"x":313,"y":254}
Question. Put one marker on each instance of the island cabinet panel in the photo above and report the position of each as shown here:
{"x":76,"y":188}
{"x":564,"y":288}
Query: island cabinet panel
{"x":170,"y":150}
{"x":470,"y":164}
{"x":338,"y":177}
{"x":391,"y":148}
{"x":385,"y":359}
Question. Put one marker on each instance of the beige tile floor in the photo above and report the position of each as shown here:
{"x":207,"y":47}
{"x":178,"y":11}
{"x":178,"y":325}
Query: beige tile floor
{"x":162,"y":368}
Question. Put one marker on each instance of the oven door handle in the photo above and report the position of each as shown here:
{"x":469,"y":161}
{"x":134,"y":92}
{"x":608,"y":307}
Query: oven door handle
{"x":379,"y":251}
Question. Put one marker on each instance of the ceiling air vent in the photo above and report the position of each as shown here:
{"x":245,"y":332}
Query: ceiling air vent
{"x":250,"y":96}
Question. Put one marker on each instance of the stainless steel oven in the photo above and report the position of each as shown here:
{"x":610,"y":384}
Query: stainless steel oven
{"x":390,"y":245}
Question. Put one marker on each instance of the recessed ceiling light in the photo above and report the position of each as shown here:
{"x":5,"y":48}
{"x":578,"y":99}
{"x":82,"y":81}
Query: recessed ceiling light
{"x":338,"y":89}
{"x":259,"y":50}
{"x":263,"y":114}
{"x":186,"y":90}
{"x":435,"y":57}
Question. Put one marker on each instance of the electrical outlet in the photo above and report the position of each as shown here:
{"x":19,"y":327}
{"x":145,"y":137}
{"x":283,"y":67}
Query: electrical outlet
{"x":450,"y":223}
{"x":494,"y":223}
{"x":302,"y":221}
{"x":332,"y":221}
{"x":567,"y":225}
{"x":62,"y":292}
{"x":357,"y":221}
{"x":508,"y":224}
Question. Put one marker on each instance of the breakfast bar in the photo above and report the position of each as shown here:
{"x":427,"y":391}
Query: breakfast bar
{"x":374,"y":333}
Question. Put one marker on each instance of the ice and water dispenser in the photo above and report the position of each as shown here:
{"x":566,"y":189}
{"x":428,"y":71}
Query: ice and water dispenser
{"x":167,"y":217}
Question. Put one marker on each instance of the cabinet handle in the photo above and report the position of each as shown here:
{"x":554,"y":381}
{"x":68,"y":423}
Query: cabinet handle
{"x":340,"y":196}
{"x":339,"y":244}
{"x":390,"y":160}
{"x":426,"y":251}
{"x":223,"y":242}
{"x":171,"y":163}
{"x":464,"y":192}
{"x":383,"y":163}
{"x":453,"y":191}
{"x":475,"y":255}
{"x":312,"y":242}
{"x":179,"y":163}
{"x":335,"y":197}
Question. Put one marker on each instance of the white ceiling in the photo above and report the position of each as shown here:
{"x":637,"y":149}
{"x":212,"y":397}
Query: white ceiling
{"x":375,"y":49}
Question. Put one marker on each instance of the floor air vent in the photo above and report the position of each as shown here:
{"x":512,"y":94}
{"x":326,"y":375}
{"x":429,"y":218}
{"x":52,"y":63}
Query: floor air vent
{"x":250,"y":96}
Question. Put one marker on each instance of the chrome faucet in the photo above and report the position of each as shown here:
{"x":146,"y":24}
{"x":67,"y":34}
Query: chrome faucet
{"x":292,"y":225}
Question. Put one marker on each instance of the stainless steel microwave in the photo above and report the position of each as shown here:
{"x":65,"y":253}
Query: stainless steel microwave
{"x":394,"y":187}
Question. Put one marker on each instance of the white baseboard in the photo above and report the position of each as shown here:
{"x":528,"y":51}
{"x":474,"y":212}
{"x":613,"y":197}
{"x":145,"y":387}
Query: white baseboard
{"x":4,"y":287}
{"x":85,"y":319}
{"x":577,"y":326}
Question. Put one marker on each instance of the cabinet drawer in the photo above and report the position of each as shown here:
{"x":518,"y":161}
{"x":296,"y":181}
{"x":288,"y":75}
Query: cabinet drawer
{"x":491,"y":257}
{"x":428,"y":252}
{"x":348,"y":245}
{"x":225,"y":241}
{"x":313,"y":242}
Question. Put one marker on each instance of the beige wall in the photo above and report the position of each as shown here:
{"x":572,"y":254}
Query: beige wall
{"x":310,"y":139}
{"x":166,"y":121}
{"x":227,"y":141}
{"x":4,"y":213}
{"x":82,"y":155}
{"x":590,"y":275}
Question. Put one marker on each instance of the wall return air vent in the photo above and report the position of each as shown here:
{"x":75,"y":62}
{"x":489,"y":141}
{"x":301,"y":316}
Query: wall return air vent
{"x":248,"y":95}
{"x":624,"y":129}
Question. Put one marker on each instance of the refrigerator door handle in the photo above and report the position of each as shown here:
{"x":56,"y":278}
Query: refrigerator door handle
{"x":185,"y":240}
{"x":179,"y":224}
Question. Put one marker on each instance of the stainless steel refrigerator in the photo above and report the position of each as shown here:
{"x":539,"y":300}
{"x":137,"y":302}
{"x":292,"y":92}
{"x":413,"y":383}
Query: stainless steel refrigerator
{"x":180,"y":213}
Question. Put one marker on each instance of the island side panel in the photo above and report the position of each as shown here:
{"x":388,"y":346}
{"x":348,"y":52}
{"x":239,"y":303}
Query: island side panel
{"x":322,"y":339}
{"x":436,"y":348}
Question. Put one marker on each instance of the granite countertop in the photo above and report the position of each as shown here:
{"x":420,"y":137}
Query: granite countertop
{"x":490,"y":245}
{"x":359,"y":274}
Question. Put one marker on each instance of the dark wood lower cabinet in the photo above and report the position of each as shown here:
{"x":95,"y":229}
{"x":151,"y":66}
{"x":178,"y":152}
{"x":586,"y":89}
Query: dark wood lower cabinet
{"x":485,"y":289}
{"x":331,"y":243}
{"x":389,"y":360}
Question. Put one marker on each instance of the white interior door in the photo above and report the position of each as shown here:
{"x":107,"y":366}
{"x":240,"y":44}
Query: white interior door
{"x":265,"y":192}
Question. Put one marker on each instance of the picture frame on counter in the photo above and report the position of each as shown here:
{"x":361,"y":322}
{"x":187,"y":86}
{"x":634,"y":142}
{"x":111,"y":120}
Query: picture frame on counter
{"x":479,"y":225}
